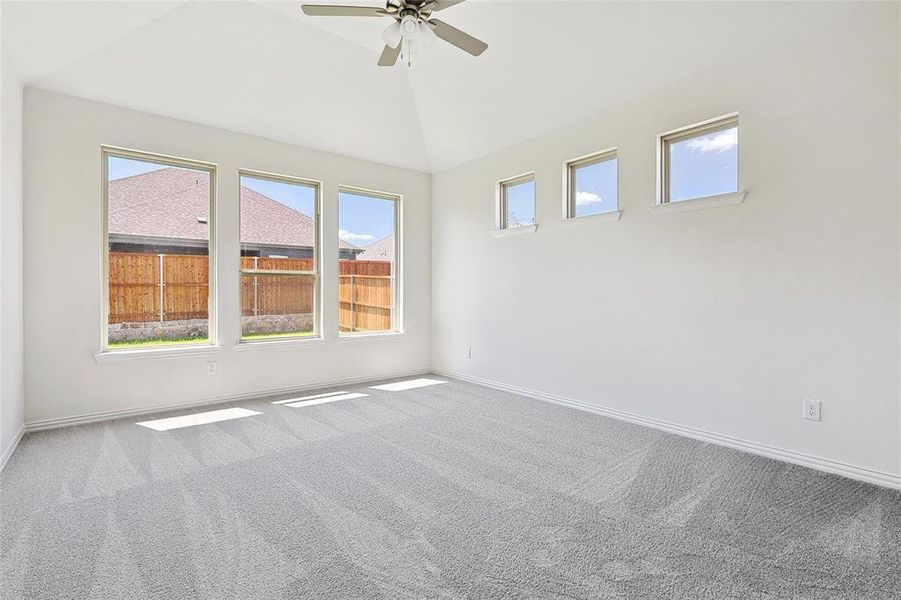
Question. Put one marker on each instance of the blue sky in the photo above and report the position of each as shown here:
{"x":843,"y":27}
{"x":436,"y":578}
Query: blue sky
{"x":704,"y":166}
{"x":596,"y":188}
{"x":362,"y":219}
{"x":125,"y":167}
{"x":301,"y":198}
{"x":521,"y":204}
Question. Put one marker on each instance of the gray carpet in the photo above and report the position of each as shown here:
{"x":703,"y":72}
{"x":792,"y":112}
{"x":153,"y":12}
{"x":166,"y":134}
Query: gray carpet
{"x":450,"y":491}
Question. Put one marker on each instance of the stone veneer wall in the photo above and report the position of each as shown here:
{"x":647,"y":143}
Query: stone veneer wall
{"x":127,"y":332}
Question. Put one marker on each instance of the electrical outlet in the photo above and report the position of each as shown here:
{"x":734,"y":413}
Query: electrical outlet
{"x":811,"y":409}
{"x":469,"y":352}
{"x":211,"y":367}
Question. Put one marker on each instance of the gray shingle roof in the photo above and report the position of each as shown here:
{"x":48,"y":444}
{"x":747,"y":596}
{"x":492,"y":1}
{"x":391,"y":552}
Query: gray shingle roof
{"x":174,"y":203}
{"x":382,"y":249}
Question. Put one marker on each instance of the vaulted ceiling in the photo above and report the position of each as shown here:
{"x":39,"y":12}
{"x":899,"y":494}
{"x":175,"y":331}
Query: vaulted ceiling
{"x":265,"y":68}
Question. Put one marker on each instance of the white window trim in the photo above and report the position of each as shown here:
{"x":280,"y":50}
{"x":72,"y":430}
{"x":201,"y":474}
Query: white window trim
{"x":500,"y":203}
{"x":611,"y":216}
{"x":671,"y":208}
{"x":569,"y":186}
{"x":115,"y":356}
{"x":283,"y":343}
{"x":317,"y":261}
{"x":212,"y":344}
{"x":689,"y":131}
{"x":397,"y":312}
{"x":511,"y":231}
{"x":363,"y":336}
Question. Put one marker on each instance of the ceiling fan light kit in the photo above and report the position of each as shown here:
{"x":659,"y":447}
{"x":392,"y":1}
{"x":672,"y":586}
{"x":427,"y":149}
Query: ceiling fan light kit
{"x":413,"y":29}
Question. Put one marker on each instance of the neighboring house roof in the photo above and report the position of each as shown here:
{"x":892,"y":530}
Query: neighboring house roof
{"x":174,"y":203}
{"x":382,"y":249}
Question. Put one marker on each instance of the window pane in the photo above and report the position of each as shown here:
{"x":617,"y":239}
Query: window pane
{"x":705,"y":165}
{"x":158,"y":230}
{"x":368,"y":246}
{"x":520,"y":203}
{"x":595,"y":188}
{"x":277,"y":305}
{"x":278,"y":233}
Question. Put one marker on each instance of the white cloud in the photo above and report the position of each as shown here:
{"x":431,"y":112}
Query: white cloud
{"x":718,"y":143}
{"x":584,"y":198}
{"x":350,"y":236}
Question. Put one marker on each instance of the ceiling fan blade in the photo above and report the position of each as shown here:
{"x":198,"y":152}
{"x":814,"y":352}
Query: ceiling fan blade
{"x":458,"y":38}
{"x":437,"y":5}
{"x":389,"y":56}
{"x":327,"y":10}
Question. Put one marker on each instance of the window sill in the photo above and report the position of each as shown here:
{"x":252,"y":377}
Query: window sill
{"x":362,"y":337}
{"x":277,"y":344}
{"x":698,"y":203}
{"x":111,"y":356}
{"x":607,"y":217}
{"x":514,"y":230}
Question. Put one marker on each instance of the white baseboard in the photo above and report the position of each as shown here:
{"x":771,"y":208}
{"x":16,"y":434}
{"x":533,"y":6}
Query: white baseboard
{"x":8,"y":451}
{"x":821,"y":464}
{"x":44,"y":424}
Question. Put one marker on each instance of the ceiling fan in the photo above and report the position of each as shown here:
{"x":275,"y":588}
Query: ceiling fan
{"x":413,"y":27}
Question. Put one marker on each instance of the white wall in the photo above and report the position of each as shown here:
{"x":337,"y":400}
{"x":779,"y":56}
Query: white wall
{"x":898,"y":98}
{"x":63,"y":288}
{"x":722,"y":319}
{"x":11,"y":381}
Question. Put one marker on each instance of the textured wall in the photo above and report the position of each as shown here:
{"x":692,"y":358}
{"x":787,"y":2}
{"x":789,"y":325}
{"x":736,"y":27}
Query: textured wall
{"x":12,"y":408}
{"x":721,"y":319}
{"x":63,"y":139}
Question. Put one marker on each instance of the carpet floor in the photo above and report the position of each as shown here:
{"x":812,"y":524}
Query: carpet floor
{"x":446,"y":491}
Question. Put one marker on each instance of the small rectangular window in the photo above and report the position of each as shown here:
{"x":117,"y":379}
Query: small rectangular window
{"x":369,"y":253}
{"x":158,"y":267}
{"x":516,"y":202}
{"x":592,"y":185}
{"x":699,"y":161}
{"x":279,"y":257}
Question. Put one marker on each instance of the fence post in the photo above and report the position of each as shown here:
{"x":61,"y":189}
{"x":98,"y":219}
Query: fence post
{"x":256,"y":284}
{"x":162,"y":295}
{"x":353,"y":298}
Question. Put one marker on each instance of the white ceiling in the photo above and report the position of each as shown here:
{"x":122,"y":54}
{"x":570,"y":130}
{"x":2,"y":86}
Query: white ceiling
{"x":263,"y":67}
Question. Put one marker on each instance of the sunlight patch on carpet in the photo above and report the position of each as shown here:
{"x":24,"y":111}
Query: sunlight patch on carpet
{"x":410,"y":384}
{"x":204,"y":418}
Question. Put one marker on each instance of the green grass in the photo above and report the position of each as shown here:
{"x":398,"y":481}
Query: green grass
{"x":159,"y":342}
{"x":137,"y":344}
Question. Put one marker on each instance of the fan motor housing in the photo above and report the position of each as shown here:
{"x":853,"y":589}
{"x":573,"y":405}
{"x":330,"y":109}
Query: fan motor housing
{"x":412,"y":8}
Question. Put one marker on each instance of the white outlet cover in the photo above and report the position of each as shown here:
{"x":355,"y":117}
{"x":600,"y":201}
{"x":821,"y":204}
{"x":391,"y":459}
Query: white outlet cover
{"x":811,"y":410}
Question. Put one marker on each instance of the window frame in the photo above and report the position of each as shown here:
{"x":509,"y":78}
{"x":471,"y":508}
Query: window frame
{"x":664,"y":140}
{"x":108,"y":151}
{"x":397,"y":318}
{"x":317,"y":260}
{"x":569,"y":183}
{"x":501,"y":201}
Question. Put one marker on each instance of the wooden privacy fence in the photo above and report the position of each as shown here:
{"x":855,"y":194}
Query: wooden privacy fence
{"x":168,"y":287}
{"x":365,"y":295}
{"x":157,"y":287}
{"x":266,"y":294}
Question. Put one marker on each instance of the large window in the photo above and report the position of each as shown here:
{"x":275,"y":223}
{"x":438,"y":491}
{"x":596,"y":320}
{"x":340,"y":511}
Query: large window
{"x":158,"y":222}
{"x":368,"y":265}
{"x":279,"y":257}
{"x":699,"y":161}
{"x":516,"y":202}
{"x":592,"y":185}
